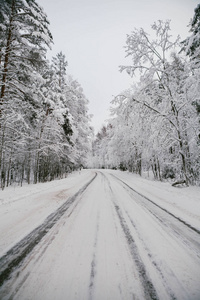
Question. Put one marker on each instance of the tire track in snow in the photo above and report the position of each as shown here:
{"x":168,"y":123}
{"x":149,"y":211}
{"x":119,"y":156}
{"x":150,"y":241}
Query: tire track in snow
{"x":93,"y":263}
{"x":189,"y":235}
{"x":167,"y":287}
{"x":186,"y":235}
{"x":148,"y":287}
{"x":165,"y":210}
{"x":16,"y":255}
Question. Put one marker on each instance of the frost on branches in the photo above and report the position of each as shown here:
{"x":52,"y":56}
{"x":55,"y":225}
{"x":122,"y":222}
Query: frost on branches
{"x":155,"y":124}
{"x":37,"y":140}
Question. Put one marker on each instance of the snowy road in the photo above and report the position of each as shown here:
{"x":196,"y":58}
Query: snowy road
{"x":107,"y":241}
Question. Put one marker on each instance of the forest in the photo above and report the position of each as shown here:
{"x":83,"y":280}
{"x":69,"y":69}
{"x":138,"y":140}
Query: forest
{"x":45,"y":129}
{"x":155,"y":124}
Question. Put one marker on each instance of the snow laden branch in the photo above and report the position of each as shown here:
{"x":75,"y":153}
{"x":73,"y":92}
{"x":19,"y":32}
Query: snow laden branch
{"x":44,"y":128}
{"x":154,"y":124}
{"x":151,"y":108}
{"x":151,"y":58}
{"x":146,"y":54}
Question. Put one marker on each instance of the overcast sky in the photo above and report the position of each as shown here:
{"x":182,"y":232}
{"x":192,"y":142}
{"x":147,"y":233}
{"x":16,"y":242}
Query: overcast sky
{"x":92,"y":35}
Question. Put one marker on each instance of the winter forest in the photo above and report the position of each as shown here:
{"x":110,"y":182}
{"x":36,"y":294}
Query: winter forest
{"x":45,"y":129}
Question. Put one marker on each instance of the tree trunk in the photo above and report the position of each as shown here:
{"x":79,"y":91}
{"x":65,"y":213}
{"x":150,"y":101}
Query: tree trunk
{"x":159,"y":173}
{"x":140,"y":164}
{"x":7,"y":55}
{"x":180,"y":139}
{"x":184,"y":167}
{"x":2,"y":146}
{"x":22,"y":171}
{"x":36,"y":168}
{"x":29,"y":167}
{"x":3,"y":179}
{"x":8,"y":172}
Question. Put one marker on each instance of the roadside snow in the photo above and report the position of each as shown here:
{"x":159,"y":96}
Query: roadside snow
{"x":184,"y":202}
{"x":24,"y":208}
{"x":107,"y":245}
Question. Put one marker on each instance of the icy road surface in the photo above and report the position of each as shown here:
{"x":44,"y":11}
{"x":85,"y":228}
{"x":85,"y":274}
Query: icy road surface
{"x":105,"y":240}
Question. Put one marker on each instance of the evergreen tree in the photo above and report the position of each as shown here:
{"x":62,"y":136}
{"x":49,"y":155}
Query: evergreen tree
{"x":24,"y":32}
{"x":24,"y":35}
{"x":44,"y":124}
{"x":191,"y":45}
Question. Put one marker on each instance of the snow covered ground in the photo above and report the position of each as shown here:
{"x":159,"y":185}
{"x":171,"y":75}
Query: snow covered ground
{"x":119,"y":237}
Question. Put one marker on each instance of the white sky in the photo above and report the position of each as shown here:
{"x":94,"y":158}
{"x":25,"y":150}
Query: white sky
{"x":92,"y":34}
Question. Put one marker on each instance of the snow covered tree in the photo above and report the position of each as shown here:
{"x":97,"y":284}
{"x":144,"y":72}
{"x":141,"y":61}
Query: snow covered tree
{"x":53,"y":131}
{"x":191,"y":45}
{"x":59,"y":84}
{"x":80,"y":120}
{"x":162,"y":84}
{"x":100,"y":149}
{"x":59,"y":65}
{"x":36,"y":107}
{"x":154,"y":124}
{"x":24,"y":32}
{"x":61,"y":142}
{"x":24,"y":35}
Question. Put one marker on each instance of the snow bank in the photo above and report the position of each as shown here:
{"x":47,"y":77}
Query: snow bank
{"x":184,"y":202}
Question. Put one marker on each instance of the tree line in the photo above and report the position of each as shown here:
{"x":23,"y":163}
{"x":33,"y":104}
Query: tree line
{"x":155,"y":124}
{"x":45,"y":127}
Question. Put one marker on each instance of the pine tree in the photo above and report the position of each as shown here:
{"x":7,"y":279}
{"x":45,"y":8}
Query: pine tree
{"x":191,"y":45}
{"x":80,"y":120}
{"x":24,"y":32}
{"x":24,"y":36}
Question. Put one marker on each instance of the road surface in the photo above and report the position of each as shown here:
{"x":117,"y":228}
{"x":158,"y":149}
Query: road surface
{"x":107,"y":241}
